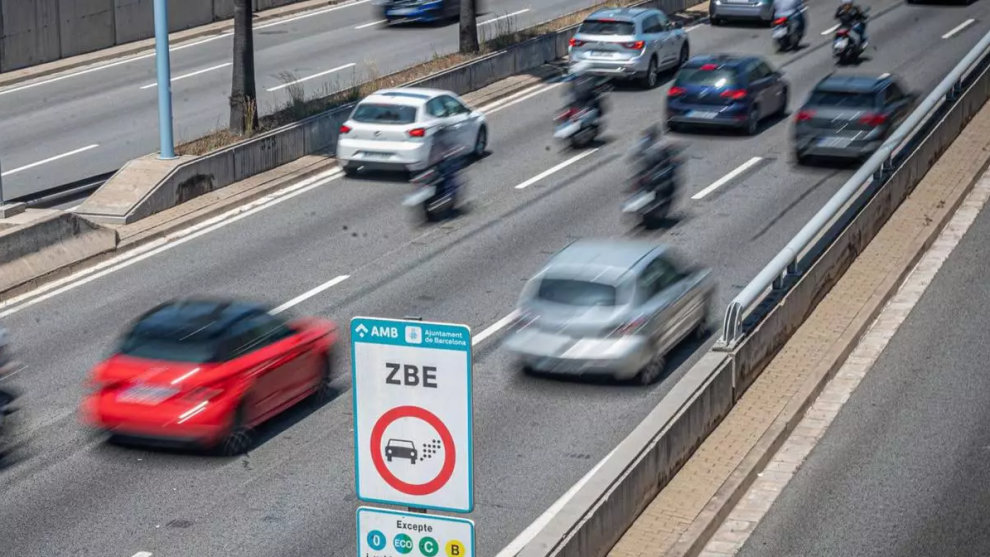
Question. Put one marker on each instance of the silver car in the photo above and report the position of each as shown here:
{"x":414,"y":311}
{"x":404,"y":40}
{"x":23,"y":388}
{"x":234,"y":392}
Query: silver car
{"x":610,"y":307}
{"x":630,"y":43}
{"x":721,"y":10}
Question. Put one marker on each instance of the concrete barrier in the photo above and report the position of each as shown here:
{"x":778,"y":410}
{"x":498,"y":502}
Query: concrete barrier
{"x":46,"y":241}
{"x":34,"y":32}
{"x":603,"y":509}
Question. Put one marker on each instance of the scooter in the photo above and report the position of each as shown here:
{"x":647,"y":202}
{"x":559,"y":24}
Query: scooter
{"x":578,"y":126}
{"x":434,"y":200}
{"x":846,"y":45}
{"x":786,"y":33}
{"x":654,"y":194}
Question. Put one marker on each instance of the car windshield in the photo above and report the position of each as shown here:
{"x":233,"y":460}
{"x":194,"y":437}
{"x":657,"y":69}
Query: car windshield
{"x":401,"y":443}
{"x":841,"y":99}
{"x":577,"y":292}
{"x":698,"y":77}
{"x":604,"y":27}
{"x":169,"y":350}
{"x":384,"y":114}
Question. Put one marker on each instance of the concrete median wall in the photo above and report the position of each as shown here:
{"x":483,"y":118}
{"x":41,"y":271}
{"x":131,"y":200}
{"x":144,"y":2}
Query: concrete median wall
{"x":34,"y":32}
{"x":49,"y":243}
{"x":604,"y":508}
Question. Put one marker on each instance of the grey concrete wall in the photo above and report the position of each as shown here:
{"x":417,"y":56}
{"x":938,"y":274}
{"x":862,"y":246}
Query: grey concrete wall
{"x":30,"y":32}
{"x":85,"y":26}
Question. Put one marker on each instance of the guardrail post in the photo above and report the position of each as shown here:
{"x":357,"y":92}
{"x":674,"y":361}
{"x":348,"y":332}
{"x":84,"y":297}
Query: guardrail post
{"x":955,"y":92}
{"x":778,"y":283}
{"x":167,"y":149}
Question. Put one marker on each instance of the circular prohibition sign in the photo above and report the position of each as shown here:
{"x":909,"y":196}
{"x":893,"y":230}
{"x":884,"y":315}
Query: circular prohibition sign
{"x":450,"y":456}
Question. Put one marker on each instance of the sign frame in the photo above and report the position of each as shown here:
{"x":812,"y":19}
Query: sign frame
{"x":414,"y":516}
{"x":412,"y":408}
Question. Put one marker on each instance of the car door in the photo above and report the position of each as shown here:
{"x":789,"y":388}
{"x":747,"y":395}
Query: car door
{"x":671,"y":45}
{"x":293,"y":356}
{"x":649,"y":30}
{"x":895,"y":104}
{"x":459,"y":117}
{"x":776,"y":86}
{"x":253,"y":349}
{"x":760,"y":85}
{"x":652,"y":306}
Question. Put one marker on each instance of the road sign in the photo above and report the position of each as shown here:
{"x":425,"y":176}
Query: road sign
{"x":383,"y":533}
{"x":413,"y":413}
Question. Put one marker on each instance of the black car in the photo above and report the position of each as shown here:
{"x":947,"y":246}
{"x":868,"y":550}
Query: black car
{"x":726,"y":91}
{"x":850,"y":115}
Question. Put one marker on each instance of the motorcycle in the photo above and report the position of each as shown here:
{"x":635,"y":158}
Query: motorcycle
{"x":430,"y":195}
{"x":846,"y":45}
{"x":654,"y":192}
{"x":580,"y":126}
{"x":786,"y":33}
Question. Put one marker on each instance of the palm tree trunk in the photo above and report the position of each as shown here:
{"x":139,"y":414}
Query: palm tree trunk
{"x":469,"y":27}
{"x":243,"y":97}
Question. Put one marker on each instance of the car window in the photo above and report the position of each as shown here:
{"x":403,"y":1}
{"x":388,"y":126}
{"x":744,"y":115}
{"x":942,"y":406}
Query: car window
{"x":652,"y":25}
{"x":659,"y":275}
{"x":893,"y":94}
{"x":606,"y":27}
{"x":842,"y":99}
{"x":577,"y":292}
{"x":663,"y":18}
{"x":170,"y":349}
{"x":390,"y":114}
{"x":706,"y":78}
{"x":764,"y":69}
{"x":255,"y":332}
{"x":436,"y":108}
{"x":453,"y":106}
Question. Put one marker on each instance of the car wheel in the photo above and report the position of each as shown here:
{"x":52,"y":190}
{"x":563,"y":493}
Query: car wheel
{"x":674,"y":127}
{"x":239,"y":438}
{"x":753,"y":120}
{"x":801,"y":159}
{"x":651,"y":79}
{"x":388,"y":458}
{"x":652,"y":372}
{"x":685,"y":54}
{"x":783,"y":106}
{"x":350,"y":170}
{"x":715,"y":21}
{"x":705,"y":325}
{"x":481,"y":142}
{"x":324,"y":390}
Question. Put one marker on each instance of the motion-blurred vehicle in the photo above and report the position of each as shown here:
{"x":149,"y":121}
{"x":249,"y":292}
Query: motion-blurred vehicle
{"x":850,"y":116}
{"x":656,"y":179}
{"x":630,"y":43}
{"x":8,"y":395}
{"x":393,"y":129}
{"x":787,"y":33}
{"x":721,"y":10}
{"x":437,"y":190}
{"x":726,"y":91}
{"x":610,"y":307}
{"x":206,"y":372}
{"x":408,"y":11}
{"x":846,"y":46}
{"x":579,"y":126}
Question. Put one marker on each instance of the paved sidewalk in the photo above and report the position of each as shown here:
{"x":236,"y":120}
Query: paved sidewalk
{"x":681,"y":502}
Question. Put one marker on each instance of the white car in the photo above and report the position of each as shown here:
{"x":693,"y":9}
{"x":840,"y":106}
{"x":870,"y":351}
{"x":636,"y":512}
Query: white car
{"x":393,"y":129}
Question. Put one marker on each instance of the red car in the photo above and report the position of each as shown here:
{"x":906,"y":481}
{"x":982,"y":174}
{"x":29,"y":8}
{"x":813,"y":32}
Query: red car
{"x":207,"y":372}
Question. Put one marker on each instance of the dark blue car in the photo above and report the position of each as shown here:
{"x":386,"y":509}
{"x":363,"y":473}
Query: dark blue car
{"x":726,"y":91}
{"x":407,"y":11}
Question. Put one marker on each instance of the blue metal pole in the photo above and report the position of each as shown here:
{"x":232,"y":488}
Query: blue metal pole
{"x":164,"y":81}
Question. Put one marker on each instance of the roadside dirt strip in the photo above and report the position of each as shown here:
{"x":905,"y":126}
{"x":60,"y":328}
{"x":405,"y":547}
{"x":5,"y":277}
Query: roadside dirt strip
{"x":687,"y":512}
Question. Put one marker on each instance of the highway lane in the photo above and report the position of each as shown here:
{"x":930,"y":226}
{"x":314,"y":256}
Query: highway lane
{"x":903,"y":468}
{"x":292,"y":496}
{"x":97,"y":119}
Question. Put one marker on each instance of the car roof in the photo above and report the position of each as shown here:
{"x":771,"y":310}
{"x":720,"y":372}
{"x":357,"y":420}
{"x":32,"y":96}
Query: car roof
{"x":620,"y":14}
{"x":854,"y":82}
{"x":194,"y":319}
{"x":599,"y":260}
{"x":730,"y":60}
{"x":410,"y":96}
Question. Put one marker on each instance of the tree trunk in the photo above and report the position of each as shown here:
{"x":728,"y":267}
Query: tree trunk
{"x":243,"y":97}
{"x":469,"y":27}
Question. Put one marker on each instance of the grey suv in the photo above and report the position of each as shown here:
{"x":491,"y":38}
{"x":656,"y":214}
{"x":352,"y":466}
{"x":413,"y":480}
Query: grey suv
{"x":630,"y":43}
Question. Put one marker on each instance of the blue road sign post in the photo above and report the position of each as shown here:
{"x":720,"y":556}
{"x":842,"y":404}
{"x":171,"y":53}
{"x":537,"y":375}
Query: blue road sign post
{"x":167,"y":149}
{"x":413,"y":413}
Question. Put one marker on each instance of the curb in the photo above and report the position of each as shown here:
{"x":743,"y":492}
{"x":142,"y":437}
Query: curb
{"x":143,"y":46}
{"x":714,"y":514}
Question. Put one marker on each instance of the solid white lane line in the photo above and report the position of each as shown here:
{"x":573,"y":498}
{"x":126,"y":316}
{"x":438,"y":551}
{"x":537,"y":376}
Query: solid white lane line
{"x":309,"y":294}
{"x":372,"y":24}
{"x":557,"y":168}
{"x":830,"y":29}
{"x":142,"y":554}
{"x":174,"y":79}
{"x":533,"y":529}
{"x":815,"y":423}
{"x":727,"y":178}
{"x":50,"y":159}
{"x":506,"y":16}
{"x":959,"y":28}
{"x":151,"y":249}
{"x":494,"y":328}
{"x":314,"y":76}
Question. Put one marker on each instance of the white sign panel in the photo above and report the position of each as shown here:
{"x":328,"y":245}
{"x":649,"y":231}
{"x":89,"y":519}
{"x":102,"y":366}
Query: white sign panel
{"x":383,"y":533}
{"x":413,"y":413}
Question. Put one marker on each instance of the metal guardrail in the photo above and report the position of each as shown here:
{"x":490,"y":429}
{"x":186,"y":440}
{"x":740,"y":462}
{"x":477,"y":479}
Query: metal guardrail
{"x":780,"y":274}
{"x":57,"y":194}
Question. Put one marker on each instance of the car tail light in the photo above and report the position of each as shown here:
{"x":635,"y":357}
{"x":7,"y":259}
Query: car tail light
{"x":345,"y":129}
{"x":566,"y":115}
{"x":873,"y":119}
{"x":630,"y":328}
{"x":842,"y":33}
{"x":804,"y":116}
{"x":734,"y":94}
{"x":709,"y":67}
{"x":675,"y":91}
{"x":635,"y":45}
{"x":575,"y":42}
{"x":780,"y":21}
{"x":417,"y":132}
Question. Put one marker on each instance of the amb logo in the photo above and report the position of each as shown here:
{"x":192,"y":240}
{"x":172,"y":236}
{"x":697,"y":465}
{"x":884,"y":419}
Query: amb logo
{"x":377,"y":331}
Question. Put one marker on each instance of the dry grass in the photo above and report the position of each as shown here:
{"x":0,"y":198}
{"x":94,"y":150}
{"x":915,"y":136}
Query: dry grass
{"x":502,"y":35}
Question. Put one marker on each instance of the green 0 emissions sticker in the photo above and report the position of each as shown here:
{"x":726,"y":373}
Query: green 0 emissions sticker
{"x":428,"y":546}
{"x":403,"y":544}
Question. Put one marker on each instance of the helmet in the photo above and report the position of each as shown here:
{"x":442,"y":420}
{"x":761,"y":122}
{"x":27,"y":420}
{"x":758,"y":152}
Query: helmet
{"x":845,"y":2}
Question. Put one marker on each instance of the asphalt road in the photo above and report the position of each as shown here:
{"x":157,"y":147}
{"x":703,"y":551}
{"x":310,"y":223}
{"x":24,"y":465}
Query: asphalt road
{"x":903,"y":469}
{"x":292,"y":496}
{"x":96,"y":120}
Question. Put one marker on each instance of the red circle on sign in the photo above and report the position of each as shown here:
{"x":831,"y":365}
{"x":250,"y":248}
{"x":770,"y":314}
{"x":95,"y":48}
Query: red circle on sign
{"x":450,"y":457}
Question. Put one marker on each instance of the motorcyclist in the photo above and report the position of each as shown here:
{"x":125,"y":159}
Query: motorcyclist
{"x":850,"y":15}
{"x":586,"y":91}
{"x":653,"y":156}
{"x":445,"y":160}
{"x":789,"y":9}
